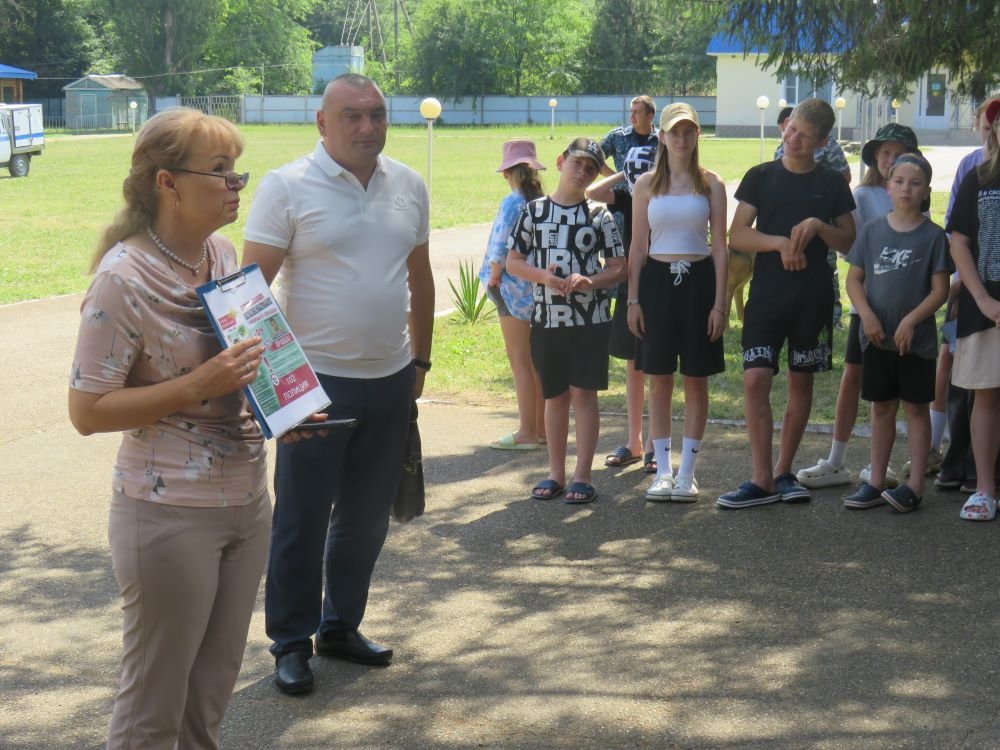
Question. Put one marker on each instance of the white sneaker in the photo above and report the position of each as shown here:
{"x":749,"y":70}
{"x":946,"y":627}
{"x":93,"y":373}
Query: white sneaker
{"x":979,"y":507}
{"x":823,"y":474}
{"x":661,"y":489}
{"x":685,"y":489}
{"x":891,"y":480}
{"x":934,"y":459}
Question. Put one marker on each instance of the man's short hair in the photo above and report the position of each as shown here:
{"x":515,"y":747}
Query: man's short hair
{"x":645,"y":101}
{"x":784,"y":114}
{"x":817,"y":113}
{"x":355,"y":81}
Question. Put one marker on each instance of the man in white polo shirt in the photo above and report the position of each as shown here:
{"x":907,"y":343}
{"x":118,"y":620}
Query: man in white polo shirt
{"x":345,"y":231}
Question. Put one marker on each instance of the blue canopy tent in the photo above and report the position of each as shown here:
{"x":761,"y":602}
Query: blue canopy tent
{"x":12,"y":83}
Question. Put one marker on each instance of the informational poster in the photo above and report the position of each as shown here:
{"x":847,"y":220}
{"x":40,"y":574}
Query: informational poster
{"x":286,"y":390}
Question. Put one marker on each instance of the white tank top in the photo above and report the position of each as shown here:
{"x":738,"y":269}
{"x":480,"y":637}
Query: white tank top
{"x":678,"y":225}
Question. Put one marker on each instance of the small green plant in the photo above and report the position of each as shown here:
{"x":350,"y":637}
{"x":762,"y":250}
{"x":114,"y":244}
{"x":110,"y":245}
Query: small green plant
{"x":470,"y":305}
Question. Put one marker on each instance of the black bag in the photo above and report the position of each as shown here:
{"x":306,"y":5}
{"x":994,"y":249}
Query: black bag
{"x":409,"y":500}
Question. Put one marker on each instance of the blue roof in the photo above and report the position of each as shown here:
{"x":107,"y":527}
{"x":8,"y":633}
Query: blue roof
{"x":9,"y":71}
{"x":723,"y":44}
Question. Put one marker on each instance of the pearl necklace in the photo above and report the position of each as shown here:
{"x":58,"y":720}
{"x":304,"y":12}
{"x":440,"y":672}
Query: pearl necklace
{"x":192,"y":267}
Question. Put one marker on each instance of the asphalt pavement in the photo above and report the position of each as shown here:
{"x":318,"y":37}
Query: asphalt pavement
{"x":530,"y":624}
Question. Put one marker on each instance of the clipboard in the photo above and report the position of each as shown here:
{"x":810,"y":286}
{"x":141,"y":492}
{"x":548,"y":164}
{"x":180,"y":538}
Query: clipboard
{"x":286,"y":390}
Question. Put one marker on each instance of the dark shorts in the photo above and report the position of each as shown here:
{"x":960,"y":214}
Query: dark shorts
{"x":493,"y":292}
{"x":622,"y":343}
{"x":803,"y":320}
{"x":852,"y":352}
{"x":887,"y":376}
{"x":575,"y":356}
{"x":676,"y":299}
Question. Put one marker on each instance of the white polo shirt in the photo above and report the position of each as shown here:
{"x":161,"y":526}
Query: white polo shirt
{"x":343,"y":283}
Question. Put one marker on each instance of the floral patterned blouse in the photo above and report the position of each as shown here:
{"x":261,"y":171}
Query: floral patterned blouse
{"x":142,"y":324}
{"x":516,"y":293}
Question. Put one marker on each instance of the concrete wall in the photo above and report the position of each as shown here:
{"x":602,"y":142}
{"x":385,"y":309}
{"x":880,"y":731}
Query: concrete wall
{"x":486,"y":110}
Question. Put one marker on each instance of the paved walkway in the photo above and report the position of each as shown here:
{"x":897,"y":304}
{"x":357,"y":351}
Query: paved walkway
{"x":524,"y":624}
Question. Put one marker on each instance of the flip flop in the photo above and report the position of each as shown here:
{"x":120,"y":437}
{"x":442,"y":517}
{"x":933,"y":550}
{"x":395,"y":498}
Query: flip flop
{"x":620,"y":456}
{"x":508,"y":443}
{"x":580,"y":488}
{"x":551,"y":485}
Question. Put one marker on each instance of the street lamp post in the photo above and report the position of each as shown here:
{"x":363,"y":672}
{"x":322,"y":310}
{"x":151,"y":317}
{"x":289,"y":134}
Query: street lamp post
{"x":552,"y":128}
{"x":762,"y":105}
{"x":840,"y":103}
{"x":896,"y":104}
{"x":430,"y":109}
{"x":782,"y":103}
{"x":132,"y":106}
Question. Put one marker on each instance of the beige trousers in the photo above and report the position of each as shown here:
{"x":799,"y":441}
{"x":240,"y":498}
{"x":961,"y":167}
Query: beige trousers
{"x":189,"y":578}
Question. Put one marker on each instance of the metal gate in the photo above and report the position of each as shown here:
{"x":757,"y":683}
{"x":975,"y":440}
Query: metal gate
{"x":230,"y":107}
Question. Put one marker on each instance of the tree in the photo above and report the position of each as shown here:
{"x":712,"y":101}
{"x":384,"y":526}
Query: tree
{"x":649,"y":46}
{"x":876,"y":47}
{"x":158,"y":41}
{"x":54,"y":38}
{"x":474,"y":47}
{"x":261,"y":38}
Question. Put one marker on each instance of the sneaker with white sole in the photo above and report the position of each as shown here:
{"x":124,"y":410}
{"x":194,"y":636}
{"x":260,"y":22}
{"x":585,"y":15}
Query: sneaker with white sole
{"x":979,"y":507}
{"x":685,"y":489}
{"x":934,"y":459}
{"x":661,"y":490}
{"x":823,"y":474}
{"x":891,"y":480}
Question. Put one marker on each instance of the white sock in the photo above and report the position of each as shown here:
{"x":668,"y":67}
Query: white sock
{"x":661,"y":450}
{"x":838,"y":452}
{"x":939,"y":420}
{"x":689,"y":454}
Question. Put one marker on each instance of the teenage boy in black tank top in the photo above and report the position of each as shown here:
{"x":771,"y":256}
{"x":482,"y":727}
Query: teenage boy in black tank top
{"x":790,"y":212}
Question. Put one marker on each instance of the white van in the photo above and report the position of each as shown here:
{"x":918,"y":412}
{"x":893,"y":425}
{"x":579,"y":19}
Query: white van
{"x":22,"y":136}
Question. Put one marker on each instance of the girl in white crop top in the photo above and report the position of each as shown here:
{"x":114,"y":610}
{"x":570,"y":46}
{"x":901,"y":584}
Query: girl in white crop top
{"x":677,"y":291}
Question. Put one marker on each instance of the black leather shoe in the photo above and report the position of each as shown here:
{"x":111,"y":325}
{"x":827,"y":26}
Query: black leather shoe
{"x":351,"y":645}
{"x":292,"y":674}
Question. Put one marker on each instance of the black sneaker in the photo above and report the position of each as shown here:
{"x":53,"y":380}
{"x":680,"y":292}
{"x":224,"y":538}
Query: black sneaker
{"x":948,"y":481}
{"x":903,"y":499}
{"x":790,"y":490}
{"x":746,"y":496}
{"x":866,"y":497}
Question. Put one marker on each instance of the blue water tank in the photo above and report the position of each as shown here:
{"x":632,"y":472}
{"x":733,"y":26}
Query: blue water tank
{"x":330,"y":62}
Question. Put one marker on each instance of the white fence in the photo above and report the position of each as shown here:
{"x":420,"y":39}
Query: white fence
{"x":405,"y":110}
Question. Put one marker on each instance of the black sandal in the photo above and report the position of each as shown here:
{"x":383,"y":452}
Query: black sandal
{"x":649,"y":463}
{"x":620,"y":456}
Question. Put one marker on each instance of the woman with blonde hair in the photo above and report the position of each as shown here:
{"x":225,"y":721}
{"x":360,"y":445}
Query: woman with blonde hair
{"x":677,"y":292}
{"x":512,"y":296}
{"x":190,"y":510}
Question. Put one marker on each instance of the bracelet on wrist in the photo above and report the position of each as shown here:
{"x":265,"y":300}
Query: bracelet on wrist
{"x":423,"y":364}
{"x":631,"y":302}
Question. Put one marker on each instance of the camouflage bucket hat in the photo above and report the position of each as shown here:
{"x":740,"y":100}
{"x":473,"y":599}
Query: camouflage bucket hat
{"x":893,"y":132}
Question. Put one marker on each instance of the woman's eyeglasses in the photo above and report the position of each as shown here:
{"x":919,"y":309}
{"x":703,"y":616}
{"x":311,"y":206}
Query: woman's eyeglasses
{"x":234,"y":180}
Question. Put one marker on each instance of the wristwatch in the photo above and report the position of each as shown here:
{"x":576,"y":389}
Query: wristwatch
{"x":423,"y":364}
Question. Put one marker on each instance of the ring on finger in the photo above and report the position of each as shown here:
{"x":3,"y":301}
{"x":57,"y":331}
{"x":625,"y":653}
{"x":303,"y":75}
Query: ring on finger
{"x":247,"y":368}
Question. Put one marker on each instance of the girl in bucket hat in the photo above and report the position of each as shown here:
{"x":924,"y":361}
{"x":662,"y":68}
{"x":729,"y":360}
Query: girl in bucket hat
{"x":872,"y":199}
{"x":512,"y":296}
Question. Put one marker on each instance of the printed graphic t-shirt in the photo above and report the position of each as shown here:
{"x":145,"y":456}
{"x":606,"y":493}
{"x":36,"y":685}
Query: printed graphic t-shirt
{"x":898,"y":268}
{"x":976,"y":214}
{"x":572,"y":239}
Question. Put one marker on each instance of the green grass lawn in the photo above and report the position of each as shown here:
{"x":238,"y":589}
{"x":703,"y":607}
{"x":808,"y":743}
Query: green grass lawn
{"x":52,"y":219}
{"x":470,"y":366}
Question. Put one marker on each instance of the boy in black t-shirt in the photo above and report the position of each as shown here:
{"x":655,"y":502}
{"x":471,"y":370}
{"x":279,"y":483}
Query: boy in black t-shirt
{"x":557,"y":244}
{"x":790,"y":213}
